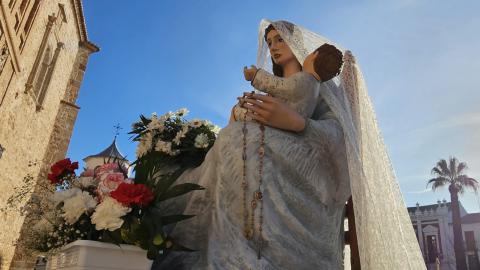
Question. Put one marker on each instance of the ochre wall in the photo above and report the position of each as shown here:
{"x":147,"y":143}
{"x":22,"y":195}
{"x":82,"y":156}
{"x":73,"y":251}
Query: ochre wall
{"x":32,"y":131}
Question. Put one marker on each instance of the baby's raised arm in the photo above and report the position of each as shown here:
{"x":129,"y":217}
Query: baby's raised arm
{"x":277,"y":86}
{"x":299,"y":90}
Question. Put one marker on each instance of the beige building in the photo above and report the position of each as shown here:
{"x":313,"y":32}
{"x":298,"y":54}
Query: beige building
{"x":44,"y":51}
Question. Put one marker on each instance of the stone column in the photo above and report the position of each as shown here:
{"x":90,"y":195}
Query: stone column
{"x":420,"y":236}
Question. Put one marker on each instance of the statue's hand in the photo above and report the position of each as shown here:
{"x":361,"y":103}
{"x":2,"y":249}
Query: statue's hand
{"x":272,"y":112}
{"x":239,"y":114}
{"x":249,"y":73}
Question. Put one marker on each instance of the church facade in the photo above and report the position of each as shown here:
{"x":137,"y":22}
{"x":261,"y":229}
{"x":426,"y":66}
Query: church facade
{"x":44,"y":50}
{"x":434,"y":230}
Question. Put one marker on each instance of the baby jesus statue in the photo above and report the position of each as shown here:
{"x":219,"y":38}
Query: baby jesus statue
{"x":300,"y":90}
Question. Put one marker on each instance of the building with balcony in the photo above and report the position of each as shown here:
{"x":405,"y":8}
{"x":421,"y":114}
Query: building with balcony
{"x":434,"y":230}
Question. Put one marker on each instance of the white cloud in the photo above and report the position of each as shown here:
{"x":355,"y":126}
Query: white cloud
{"x":419,"y":191}
{"x":467,"y":120}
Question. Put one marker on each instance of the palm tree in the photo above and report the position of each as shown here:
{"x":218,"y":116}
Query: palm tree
{"x":451,"y":174}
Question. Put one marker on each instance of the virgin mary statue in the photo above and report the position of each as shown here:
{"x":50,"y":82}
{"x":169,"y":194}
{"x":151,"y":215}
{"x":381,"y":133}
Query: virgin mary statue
{"x":307,"y":179}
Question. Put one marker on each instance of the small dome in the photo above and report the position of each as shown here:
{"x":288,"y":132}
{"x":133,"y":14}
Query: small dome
{"x":110,"y":152}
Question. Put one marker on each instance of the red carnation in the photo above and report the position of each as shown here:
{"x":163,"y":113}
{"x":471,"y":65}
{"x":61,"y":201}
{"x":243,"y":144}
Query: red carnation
{"x":61,"y":169}
{"x":129,"y":194}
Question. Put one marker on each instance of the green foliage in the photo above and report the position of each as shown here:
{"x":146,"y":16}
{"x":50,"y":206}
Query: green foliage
{"x":159,"y":170}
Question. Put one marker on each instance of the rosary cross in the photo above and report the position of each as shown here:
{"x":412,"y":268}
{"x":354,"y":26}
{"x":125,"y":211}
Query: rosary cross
{"x":261,"y":243}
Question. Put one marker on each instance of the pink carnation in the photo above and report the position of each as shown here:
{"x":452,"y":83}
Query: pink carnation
{"x":109,"y":182}
{"x":107,"y":168}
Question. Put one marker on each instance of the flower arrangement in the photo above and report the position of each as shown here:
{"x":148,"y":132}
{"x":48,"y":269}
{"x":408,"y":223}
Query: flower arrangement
{"x":105,"y":204}
{"x":173,"y":139}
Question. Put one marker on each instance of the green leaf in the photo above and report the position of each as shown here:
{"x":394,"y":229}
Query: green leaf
{"x":127,"y":236}
{"x":178,"y":190}
{"x":148,"y":224}
{"x":157,"y":240}
{"x":167,"y":181}
{"x":112,"y":237}
{"x":143,"y":233}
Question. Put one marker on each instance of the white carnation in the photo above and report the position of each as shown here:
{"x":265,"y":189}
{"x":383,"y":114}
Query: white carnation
{"x":108,"y":215}
{"x":182,"y":112}
{"x":181,"y":134}
{"x":156,"y":123}
{"x":86,"y":181}
{"x":201,"y":141}
{"x":165,"y":147}
{"x":145,"y":144}
{"x":141,"y":150}
{"x":75,"y":206}
{"x":196,"y":123}
{"x":61,"y":196}
{"x":215,"y":129}
{"x":168,"y":115}
{"x":207,"y":123}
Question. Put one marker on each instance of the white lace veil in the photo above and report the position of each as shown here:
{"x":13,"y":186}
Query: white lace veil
{"x":386,"y":238}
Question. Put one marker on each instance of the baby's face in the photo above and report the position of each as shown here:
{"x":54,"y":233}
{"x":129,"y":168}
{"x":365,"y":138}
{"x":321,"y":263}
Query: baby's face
{"x":308,"y":65}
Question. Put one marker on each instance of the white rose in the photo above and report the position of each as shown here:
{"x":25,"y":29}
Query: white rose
{"x":108,"y":215}
{"x":74,"y":207}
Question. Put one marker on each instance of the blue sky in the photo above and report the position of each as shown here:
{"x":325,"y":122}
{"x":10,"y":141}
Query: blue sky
{"x":419,"y":58}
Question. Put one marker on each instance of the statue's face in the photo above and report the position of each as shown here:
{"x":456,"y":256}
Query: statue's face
{"x":279,"y":49}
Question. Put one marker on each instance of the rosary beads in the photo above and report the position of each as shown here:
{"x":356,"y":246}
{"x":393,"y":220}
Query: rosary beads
{"x":257,"y":198}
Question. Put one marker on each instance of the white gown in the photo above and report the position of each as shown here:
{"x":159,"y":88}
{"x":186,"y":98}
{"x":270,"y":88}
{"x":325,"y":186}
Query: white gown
{"x":305,"y":186}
